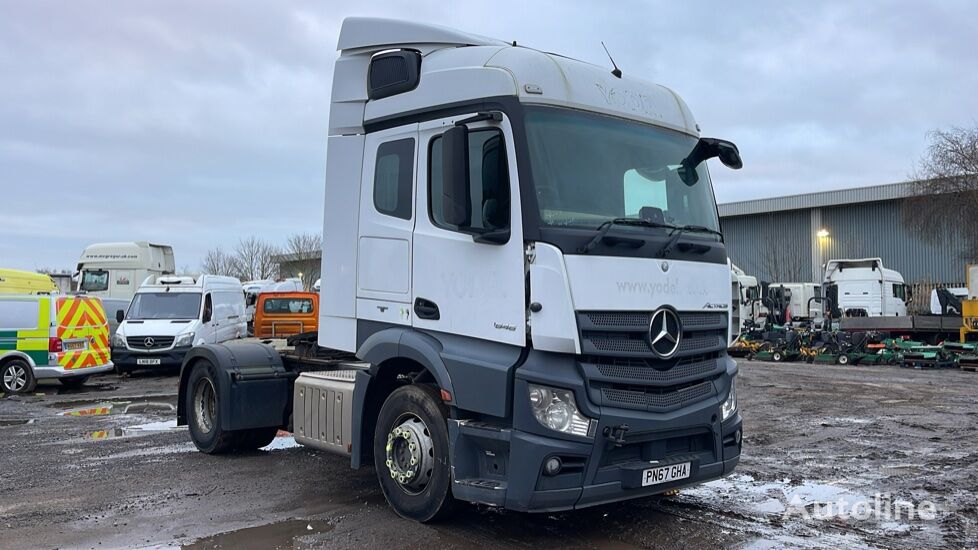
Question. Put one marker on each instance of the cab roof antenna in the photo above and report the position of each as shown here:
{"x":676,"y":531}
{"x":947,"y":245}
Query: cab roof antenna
{"x":616,"y":71}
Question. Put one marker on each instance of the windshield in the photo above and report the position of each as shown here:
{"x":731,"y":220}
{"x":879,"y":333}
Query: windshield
{"x":165,"y":305}
{"x":588,"y":169}
{"x":94,"y":281}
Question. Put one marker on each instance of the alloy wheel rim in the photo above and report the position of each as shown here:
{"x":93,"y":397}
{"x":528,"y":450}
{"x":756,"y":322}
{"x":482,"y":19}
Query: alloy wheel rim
{"x":14,"y":378}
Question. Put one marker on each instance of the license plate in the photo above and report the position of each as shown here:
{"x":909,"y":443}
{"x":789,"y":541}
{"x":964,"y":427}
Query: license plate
{"x":148,"y":361}
{"x":74,"y":346}
{"x":665,"y":474}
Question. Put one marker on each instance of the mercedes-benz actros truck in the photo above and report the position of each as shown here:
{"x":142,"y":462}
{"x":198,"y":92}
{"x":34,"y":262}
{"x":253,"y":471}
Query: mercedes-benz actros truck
{"x":526,"y":299}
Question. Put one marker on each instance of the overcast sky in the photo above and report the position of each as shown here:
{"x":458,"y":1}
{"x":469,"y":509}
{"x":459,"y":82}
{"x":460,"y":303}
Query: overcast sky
{"x":196,"y":123}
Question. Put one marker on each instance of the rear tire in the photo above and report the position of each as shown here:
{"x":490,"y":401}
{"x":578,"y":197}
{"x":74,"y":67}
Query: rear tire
{"x":843,"y":359}
{"x":17,"y":377}
{"x":411,"y":453}
{"x":73,"y":382}
{"x":204,"y":411}
{"x":777,"y":357}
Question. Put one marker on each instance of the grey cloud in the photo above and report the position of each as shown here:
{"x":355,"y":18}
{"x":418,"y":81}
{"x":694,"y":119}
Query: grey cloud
{"x":195,"y":123}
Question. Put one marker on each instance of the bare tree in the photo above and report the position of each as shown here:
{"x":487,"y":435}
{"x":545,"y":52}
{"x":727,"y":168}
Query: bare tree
{"x":784,"y":262}
{"x":945,"y":201}
{"x":218,"y":262}
{"x":255,"y":259}
{"x":304,"y":252}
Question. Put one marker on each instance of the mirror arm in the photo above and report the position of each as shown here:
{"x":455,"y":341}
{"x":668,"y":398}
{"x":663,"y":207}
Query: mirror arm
{"x":492,"y":116}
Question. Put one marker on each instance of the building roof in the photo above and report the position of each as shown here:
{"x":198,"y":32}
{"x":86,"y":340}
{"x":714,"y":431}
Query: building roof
{"x":837,"y":197}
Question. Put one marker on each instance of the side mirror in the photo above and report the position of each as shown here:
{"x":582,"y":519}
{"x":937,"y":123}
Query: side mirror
{"x":456,"y":195}
{"x":707,"y":148}
{"x":729,"y":154}
{"x":120,"y":315}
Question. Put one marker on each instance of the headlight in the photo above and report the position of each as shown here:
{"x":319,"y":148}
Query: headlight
{"x":556,"y":409}
{"x":730,"y":405}
{"x":118,"y":341}
{"x":185,"y":340}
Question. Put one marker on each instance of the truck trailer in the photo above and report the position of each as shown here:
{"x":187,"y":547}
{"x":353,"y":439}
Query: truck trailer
{"x":526,"y":301}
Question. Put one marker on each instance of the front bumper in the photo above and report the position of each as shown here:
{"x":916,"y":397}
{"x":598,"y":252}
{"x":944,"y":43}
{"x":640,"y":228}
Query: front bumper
{"x":505,"y":467}
{"x":168,"y":358}
{"x":46,"y":372}
{"x":598,"y":484}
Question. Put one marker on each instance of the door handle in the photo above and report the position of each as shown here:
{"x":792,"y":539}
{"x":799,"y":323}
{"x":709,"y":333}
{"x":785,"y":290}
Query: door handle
{"x":426,"y":309}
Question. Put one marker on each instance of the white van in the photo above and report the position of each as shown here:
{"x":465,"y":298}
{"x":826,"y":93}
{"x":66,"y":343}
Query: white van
{"x":794,"y":301}
{"x":864,"y":288}
{"x":169,"y":314}
{"x":114,"y":270}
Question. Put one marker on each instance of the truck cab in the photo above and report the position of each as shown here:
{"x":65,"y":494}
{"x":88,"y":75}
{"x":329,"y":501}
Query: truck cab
{"x":865,"y":288}
{"x":523,"y":262}
{"x":114,"y":270}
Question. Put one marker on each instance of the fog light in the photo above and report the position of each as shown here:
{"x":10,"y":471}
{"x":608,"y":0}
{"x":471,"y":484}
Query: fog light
{"x":737,"y":437}
{"x":552,"y":466}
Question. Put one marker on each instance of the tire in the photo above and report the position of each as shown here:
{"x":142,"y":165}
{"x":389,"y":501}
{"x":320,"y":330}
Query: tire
{"x":73,"y":381}
{"x":250,"y":440}
{"x":843,"y":359}
{"x":17,"y":377}
{"x":777,"y":357}
{"x":204,"y":411}
{"x":414,"y":415}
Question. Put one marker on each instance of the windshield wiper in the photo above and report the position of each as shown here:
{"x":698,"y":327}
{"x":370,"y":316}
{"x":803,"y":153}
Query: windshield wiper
{"x":606,"y":226}
{"x":678,"y":232}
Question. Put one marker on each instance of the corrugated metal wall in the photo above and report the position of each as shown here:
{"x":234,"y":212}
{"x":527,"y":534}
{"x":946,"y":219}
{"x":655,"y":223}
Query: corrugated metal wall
{"x":873,"y":229}
{"x":876,"y":229}
{"x":753,"y":240}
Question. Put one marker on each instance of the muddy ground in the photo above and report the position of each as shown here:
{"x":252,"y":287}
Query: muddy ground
{"x":105,"y":467}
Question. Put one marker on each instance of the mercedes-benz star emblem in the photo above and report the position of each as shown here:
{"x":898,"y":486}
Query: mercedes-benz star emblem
{"x":665,"y":333}
{"x":149,"y":342}
{"x":664,"y":265}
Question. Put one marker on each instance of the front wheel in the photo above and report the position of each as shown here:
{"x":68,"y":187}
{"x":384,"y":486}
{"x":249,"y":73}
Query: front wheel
{"x":411,"y":453}
{"x":843,"y":359}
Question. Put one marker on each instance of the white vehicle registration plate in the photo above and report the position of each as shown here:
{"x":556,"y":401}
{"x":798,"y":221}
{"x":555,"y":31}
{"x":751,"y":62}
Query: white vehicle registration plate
{"x":148,"y":361}
{"x":665,"y":474}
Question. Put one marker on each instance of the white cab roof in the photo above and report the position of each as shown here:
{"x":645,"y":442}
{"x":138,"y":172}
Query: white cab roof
{"x":459,"y":66}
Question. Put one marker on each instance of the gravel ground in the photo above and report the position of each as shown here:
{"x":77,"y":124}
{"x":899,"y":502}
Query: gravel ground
{"x":105,"y":466}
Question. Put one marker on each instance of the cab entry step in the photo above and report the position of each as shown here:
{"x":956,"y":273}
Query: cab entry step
{"x":322,"y":410}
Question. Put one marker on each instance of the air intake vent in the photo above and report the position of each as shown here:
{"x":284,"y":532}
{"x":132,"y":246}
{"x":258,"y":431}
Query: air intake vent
{"x":393,"y":73}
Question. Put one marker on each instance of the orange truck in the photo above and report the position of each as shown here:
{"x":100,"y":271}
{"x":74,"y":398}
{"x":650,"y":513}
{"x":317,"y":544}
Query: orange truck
{"x":283,"y":314}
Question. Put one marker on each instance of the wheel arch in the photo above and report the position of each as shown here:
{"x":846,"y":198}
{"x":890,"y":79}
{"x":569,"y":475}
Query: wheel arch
{"x":9,"y":356}
{"x":397,"y":356}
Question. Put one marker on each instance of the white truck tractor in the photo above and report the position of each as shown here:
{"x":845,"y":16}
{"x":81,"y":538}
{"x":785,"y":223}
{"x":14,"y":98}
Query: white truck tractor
{"x":526,"y":297}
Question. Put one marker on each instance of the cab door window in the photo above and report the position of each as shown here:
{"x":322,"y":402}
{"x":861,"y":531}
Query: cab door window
{"x":488,"y":181}
{"x":394,"y":178}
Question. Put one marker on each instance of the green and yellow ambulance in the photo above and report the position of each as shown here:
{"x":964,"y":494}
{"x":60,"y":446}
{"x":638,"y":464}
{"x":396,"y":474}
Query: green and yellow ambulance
{"x":51,"y":337}
{"x":14,"y":281}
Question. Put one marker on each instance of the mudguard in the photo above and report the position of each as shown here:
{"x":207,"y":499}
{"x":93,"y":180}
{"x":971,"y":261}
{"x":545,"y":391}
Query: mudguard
{"x":254,"y":387}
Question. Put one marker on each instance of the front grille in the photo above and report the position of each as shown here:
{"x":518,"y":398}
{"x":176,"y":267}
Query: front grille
{"x":621,"y":370}
{"x":656,"y":399}
{"x":159,"y":342}
{"x":626,"y":333}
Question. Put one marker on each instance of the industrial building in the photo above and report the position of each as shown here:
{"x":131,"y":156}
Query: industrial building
{"x":790,"y":238}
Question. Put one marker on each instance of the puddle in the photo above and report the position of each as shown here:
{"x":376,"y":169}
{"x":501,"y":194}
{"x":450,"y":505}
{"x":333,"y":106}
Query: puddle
{"x":285,"y":534}
{"x":162,"y":404}
{"x":131,"y":431}
{"x":15,"y":421}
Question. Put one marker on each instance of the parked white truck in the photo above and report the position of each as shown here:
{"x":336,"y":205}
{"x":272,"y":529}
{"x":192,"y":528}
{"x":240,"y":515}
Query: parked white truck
{"x":865,"y":288}
{"x":749,"y":301}
{"x":526,"y":297}
{"x":115,"y":270}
